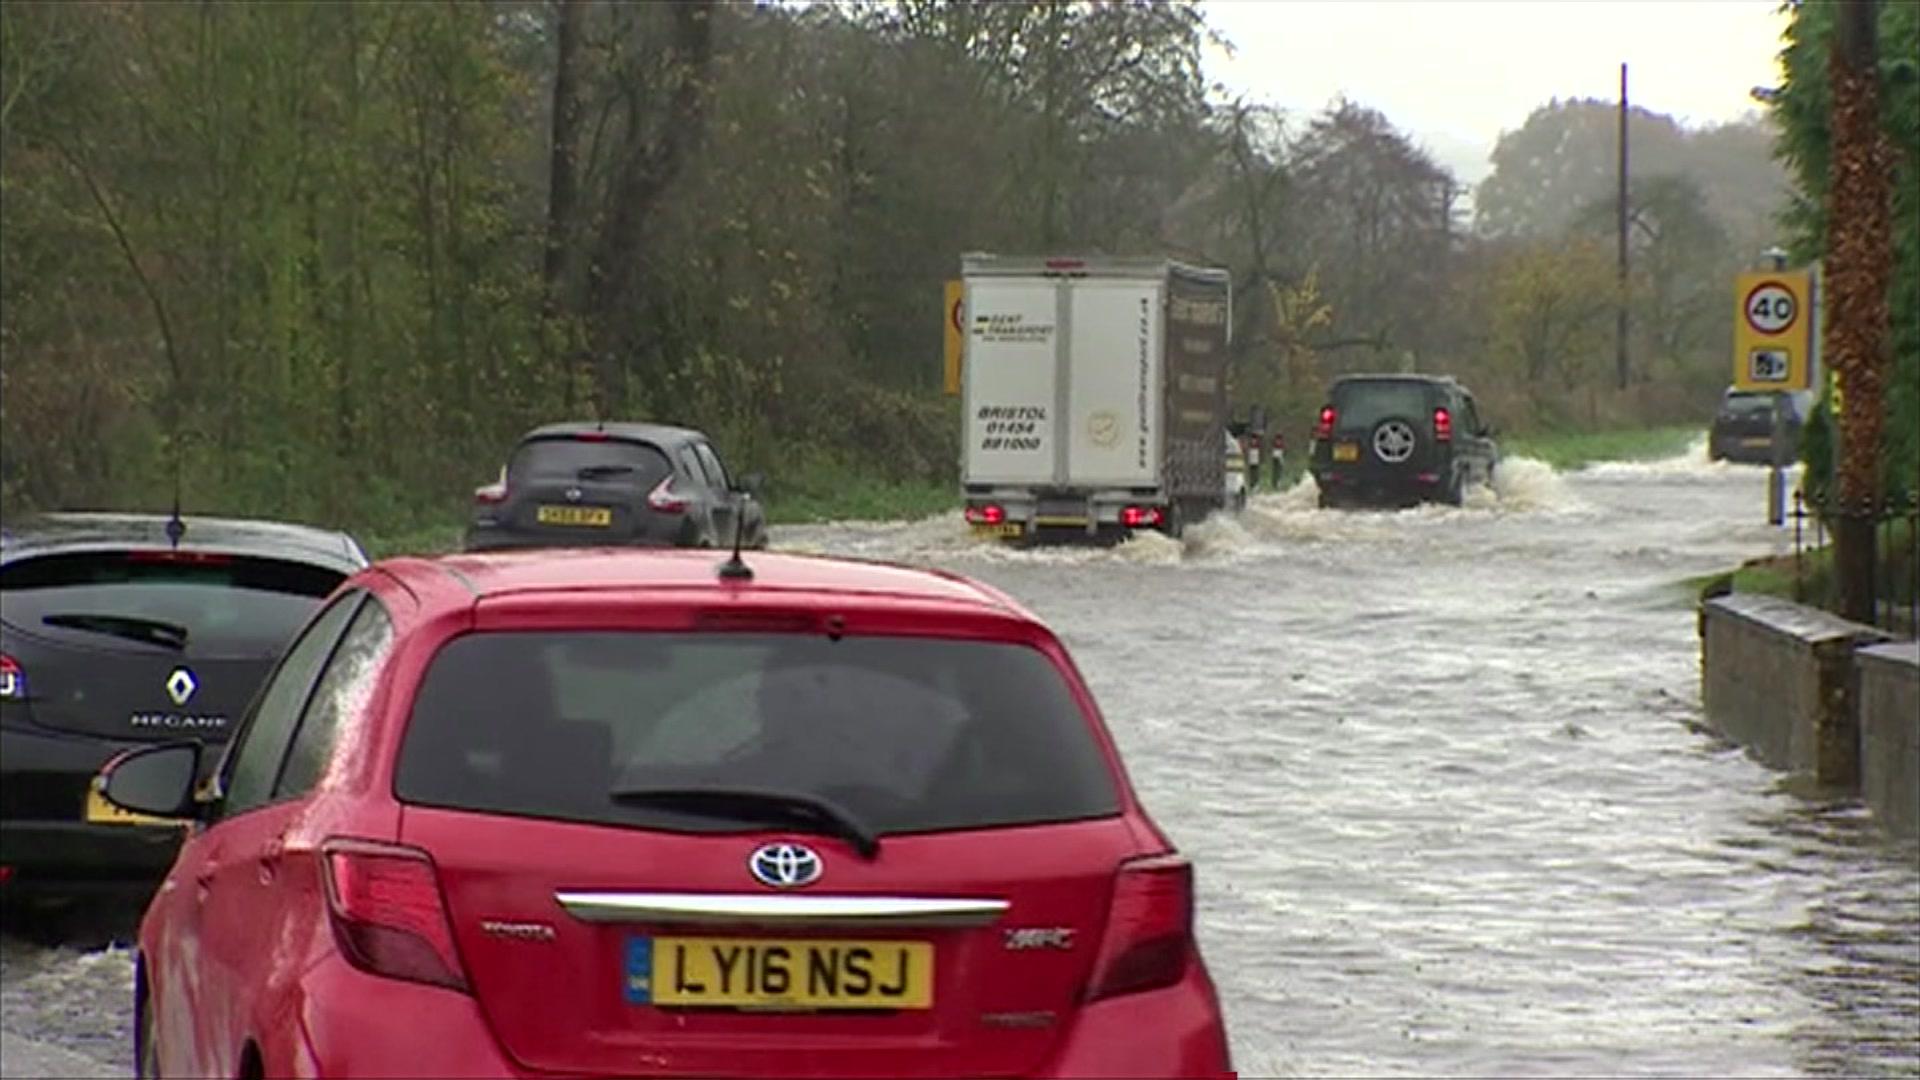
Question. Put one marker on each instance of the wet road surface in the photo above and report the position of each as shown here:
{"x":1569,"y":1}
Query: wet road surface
{"x":1443,"y":776}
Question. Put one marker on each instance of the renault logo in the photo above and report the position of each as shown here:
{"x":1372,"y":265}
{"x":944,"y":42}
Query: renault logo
{"x":785,"y":866}
{"x":181,"y":685}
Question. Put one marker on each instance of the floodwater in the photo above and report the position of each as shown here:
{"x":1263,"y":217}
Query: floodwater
{"x":1443,"y":776}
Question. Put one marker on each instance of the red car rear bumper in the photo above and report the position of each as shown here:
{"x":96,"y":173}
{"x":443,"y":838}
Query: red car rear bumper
{"x":352,"y":1024}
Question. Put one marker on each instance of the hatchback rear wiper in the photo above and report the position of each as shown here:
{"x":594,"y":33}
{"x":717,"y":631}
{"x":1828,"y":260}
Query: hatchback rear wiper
{"x":810,"y":813}
{"x":594,"y":472}
{"x":151,"y":631}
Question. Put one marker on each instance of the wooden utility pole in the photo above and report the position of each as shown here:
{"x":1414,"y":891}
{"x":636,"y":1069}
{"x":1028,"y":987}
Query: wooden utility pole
{"x":1859,"y":263}
{"x":1620,"y":314}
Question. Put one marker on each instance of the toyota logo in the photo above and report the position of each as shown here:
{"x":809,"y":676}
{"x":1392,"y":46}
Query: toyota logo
{"x":1393,"y":441}
{"x":785,"y":866}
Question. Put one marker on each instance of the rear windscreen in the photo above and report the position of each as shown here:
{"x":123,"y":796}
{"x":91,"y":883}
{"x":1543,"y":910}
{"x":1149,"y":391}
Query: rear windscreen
{"x":909,"y":734}
{"x":1362,"y":405}
{"x":1747,"y":404}
{"x":226,"y":605}
{"x":574,"y":459}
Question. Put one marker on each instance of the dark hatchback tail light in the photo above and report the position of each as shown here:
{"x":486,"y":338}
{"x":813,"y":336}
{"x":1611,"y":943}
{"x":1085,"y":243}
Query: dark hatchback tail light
{"x":1442,"y":425}
{"x":1149,"y":928}
{"x":13,"y":680}
{"x":664,"y":500}
{"x":1324,"y":430}
{"x":388,"y":914}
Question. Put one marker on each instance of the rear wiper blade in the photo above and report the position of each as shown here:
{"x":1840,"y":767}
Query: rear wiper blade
{"x":810,"y":813}
{"x":591,"y":472}
{"x":131,"y":627}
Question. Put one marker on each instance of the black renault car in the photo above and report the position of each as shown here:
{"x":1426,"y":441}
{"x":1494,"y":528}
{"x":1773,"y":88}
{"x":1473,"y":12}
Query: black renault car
{"x":118,"y":630}
{"x":611,"y":484}
{"x":1400,"y":440}
{"x":1743,"y":426}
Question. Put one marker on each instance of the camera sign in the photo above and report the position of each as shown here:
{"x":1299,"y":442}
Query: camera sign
{"x":1768,"y":366}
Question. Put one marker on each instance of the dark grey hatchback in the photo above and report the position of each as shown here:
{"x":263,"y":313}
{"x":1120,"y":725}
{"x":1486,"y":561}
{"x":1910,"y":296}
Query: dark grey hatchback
{"x":123,"y":629}
{"x":1400,"y":439}
{"x":592,"y":484}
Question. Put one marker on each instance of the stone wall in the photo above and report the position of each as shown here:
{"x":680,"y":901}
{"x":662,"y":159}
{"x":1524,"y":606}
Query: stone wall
{"x":1889,"y":681}
{"x":1778,"y":678}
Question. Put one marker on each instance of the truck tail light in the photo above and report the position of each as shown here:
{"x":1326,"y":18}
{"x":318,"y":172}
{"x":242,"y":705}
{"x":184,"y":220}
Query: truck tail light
{"x":1142,"y":517}
{"x":990,"y":514}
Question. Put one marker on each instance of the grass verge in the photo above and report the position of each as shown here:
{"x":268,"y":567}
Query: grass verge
{"x":1571,"y":450}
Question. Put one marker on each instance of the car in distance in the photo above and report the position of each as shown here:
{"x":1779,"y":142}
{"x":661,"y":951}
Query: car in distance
{"x":117,"y":631}
{"x":1742,"y":427}
{"x":594,"y":484}
{"x":668,"y":813}
{"x":1400,"y":440}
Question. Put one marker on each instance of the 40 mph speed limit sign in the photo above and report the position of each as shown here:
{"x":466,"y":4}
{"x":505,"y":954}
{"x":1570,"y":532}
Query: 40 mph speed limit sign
{"x":1773,"y":331}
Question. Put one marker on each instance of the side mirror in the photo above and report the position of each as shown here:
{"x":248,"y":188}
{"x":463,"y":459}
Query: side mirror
{"x":156,"y":780}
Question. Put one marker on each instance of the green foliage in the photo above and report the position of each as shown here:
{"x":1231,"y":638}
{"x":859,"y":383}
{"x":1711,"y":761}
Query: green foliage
{"x":1800,"y":117}
{"x":295,"y":256}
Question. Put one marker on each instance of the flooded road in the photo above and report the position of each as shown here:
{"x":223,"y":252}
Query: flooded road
{"x":1443,"y":777}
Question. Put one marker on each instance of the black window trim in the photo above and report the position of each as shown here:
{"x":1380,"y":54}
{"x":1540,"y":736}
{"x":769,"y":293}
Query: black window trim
{"x":356,"y":599}
{"x":320,"y":673}
{"x":710,"y":459}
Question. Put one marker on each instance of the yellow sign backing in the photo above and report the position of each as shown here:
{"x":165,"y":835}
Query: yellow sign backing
{"x":955,"y":333}
{"x":1773,"y":330}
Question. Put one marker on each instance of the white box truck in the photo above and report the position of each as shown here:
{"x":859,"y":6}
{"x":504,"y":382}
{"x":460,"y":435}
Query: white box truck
{"x":1095,"y":395}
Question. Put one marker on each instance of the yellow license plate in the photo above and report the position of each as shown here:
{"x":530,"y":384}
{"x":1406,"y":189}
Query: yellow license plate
{"x":1755,"y":441}
{"x":101,"y":812}
{"x":1346,"y":451}
{"x":779,"y":973}
{"x":1003,"y":531}
{"x":598,"y":517}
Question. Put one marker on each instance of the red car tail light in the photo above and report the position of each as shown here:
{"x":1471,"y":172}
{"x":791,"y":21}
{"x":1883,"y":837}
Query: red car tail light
{"x":1149,"y":929}
{"x":1442,"y":426}
{"x":388,"y":914}
{"x":490,"y":494}
{"x":1324,"y":429}
{"x":13,"y":681}
{"x":990,"y":514}
{"x":663,"y":499}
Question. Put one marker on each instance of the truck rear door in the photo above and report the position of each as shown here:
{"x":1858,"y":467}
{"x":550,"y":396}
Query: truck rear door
{"x":1114,"y":361}
{"x":1011,"y":380}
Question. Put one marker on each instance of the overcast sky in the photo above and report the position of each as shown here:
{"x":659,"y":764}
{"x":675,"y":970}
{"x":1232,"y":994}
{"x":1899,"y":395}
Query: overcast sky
{"x":1456,"y":73}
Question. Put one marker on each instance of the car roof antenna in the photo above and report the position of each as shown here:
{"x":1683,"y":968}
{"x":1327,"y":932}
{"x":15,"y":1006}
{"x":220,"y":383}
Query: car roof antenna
{"x":176,"y":528}
{"x":735,"y":569}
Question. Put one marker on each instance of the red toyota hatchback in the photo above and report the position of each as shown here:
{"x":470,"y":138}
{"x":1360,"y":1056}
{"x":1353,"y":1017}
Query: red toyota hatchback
{"x":603,"y":813}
